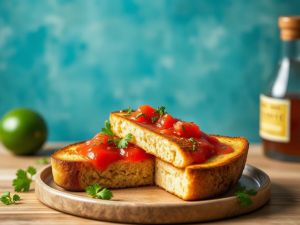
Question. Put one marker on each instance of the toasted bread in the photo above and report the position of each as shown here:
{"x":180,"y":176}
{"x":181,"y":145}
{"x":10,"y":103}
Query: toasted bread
{"x":74,"y":172}
{"x":170,"y":148}
{"x":206,"y":180}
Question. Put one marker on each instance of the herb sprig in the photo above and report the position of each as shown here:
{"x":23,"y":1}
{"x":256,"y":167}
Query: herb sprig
{"x":123,"y":142}
{"x":107,"y":129}
{"x":128,"y":111}
{"x":119,"y":142}
{"x":139,"y":115}
{"x":194,"y":143}
{"x":7,"y":199}
{"x":96,"y":191}
{"x":244,"y":195}
{"x":161,"y":110}
{"x":23,"y":180}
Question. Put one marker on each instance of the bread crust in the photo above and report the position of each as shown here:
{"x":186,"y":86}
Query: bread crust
{"x":209,"y":179}
{"x":73,"y":172}
{"x":170,"y":148}
{"x":190,"y":181}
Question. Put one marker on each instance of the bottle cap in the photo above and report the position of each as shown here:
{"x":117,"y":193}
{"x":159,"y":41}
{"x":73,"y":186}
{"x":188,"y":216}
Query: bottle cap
{"x":289,"y":27}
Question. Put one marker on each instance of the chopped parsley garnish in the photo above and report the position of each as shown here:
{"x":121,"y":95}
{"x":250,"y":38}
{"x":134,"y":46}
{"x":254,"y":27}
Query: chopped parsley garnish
{"x":123,"y":142}
{"x":107,"y":129}
{"x":128,"y":111}
{"x":154,"y":119}
{"x":7,"y":199}
{"x":119,"y":142}
{"x":96,"y":191}
{"x":243,"y":195}
{"x":139,"y":115}
{"x":194,"y":142}
{"x":161,"y":110}
{"x":24,"y":179}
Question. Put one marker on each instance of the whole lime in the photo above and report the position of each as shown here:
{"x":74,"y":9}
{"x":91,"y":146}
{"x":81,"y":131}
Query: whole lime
{"x":23,"y":131}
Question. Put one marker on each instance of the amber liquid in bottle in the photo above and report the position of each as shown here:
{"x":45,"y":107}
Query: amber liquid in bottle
{"x":285,"y":88}
{"x":287,"y":150}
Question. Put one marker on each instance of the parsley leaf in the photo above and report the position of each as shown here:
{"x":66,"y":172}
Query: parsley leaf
{"x":194,"y":142}
{"x":24,"y":179}
{"x":16,"y":198}
{"x":31,"y":170}
{"x":42,"y":161}
{"x":107,"y":129}
{"x":139,"y":115}
{"x":243,"y":195}
{"x":96,"y":191}
{"x":123,"y":142}
{"x":128,"y":111}
{"x":8,"y":200}
{"x":104,"y":194}
{"x":154,"y":119}
{"x":161,"y":110}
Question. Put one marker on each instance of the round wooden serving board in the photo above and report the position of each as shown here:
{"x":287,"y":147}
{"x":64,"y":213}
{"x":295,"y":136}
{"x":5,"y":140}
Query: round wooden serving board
{"x":151,"y":205}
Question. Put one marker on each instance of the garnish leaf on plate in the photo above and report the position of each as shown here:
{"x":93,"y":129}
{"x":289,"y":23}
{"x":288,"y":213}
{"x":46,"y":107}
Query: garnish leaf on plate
{"x":99,"y":192}
{"x":23,"y":180}
{"x":244,"y":195}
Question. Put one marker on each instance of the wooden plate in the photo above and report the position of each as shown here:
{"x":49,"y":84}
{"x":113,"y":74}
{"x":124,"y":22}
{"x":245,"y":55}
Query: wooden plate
{"x":151,"y":204}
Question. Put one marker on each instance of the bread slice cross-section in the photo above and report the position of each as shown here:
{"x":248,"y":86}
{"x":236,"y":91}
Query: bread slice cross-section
{"x":201,"y":181}
{"x":74,"y":172}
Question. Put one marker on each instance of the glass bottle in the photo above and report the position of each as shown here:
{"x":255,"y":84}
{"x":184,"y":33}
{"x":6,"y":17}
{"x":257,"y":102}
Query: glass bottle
{"x":280,"y":104}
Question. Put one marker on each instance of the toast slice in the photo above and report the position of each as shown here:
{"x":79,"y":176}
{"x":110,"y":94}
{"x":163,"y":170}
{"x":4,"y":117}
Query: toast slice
{"x":206,"y":180}
{"x":170,"y":148}
{"x":74,"y":172}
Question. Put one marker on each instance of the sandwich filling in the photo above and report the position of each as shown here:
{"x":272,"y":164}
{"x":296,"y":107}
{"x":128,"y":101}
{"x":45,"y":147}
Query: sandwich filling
{"x":104,"y":150}
{"x":204,"y":146}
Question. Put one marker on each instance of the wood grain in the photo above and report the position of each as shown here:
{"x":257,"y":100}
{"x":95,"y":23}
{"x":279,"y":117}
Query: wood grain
{"x":284,"y":207}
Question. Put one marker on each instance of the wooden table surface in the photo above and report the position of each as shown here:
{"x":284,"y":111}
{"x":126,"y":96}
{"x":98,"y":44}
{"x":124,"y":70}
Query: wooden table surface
{"x":284,"y":207}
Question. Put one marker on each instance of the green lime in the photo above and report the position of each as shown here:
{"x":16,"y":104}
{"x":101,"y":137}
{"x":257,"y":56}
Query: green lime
{"x":23,"y":131}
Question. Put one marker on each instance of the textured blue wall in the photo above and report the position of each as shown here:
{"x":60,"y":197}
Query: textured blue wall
{"x":75,"y":61}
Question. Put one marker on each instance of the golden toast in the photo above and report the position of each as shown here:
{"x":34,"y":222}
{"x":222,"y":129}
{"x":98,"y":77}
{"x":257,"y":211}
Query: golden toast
{"x":74,"y":172}
{"x":172,"y":149}
{"x":201,"y":181}
{"x":174,"y":168}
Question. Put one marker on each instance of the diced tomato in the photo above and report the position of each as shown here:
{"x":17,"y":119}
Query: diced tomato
{"x":135,"y":154}
{"x":139,"y":117}
{"x":211,"y":139}
{"x":166,"y":121}
{"x":102,"y":153}
{"x":199,"y":157}
{"x":103,"y":157}
{"x":187,"y":129}
{"x":144,"y":114}
{"x":224,"y":149}
{"x":167,"y":131}
{"x":100,"y":139}
{"x":148,"y":111}
{"x":204,"y":151}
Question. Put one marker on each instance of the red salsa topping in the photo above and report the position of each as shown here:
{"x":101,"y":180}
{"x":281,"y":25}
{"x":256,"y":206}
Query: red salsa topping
{"x":204,"y":145}
{"x":102,"y":151}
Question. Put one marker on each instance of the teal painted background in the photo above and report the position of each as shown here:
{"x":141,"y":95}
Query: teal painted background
{"x":75,"y":61}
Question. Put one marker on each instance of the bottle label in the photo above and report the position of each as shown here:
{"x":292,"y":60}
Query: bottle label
{"x":274,"y":119}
